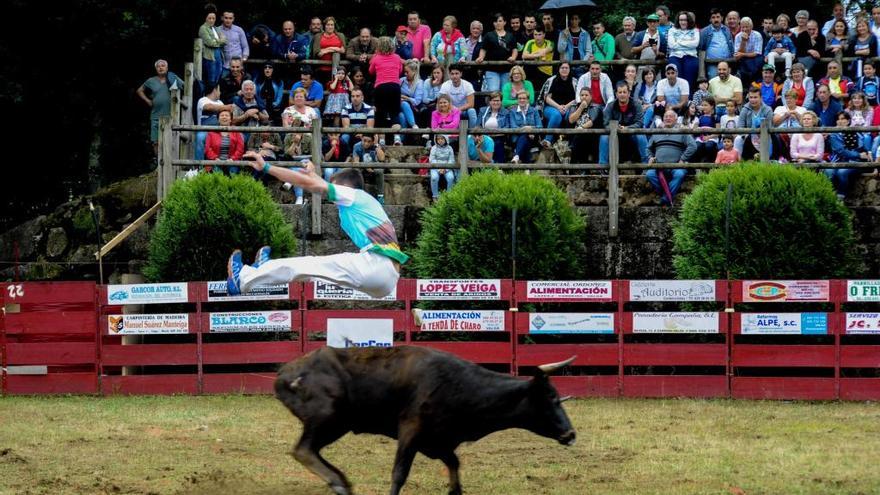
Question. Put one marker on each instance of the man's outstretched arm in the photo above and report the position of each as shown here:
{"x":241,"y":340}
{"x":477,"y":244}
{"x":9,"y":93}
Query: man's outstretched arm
{"x":308,"y":180}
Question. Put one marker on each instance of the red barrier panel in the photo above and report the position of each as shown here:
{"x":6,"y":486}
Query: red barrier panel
{"x":49,"y":342}
{"x":859,"y":334}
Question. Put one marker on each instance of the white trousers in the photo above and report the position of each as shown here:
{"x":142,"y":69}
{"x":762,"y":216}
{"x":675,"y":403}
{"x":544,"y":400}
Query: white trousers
{"x":367,"y":272}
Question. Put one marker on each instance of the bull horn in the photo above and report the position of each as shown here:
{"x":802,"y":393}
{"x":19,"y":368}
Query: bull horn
{"x":567,"y":397}
{"x":550,"y":368}
{"x":295,"y":384}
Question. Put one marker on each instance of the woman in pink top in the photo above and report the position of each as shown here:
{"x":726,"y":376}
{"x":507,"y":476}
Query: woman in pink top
{"x":808,"y":147}
{"x":446,"y":116}
{"x":387,"y":67}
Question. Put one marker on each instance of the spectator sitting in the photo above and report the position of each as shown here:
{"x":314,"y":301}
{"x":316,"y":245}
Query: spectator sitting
{"x":446,"y":116}
{"x":837,"y":40}
{"x":297,"y":145}
{"x":701,"y":92}
{"x":725,"y":87}
{"x":539,"y":48}
{"x":213,"y":41}
{"x":230,"y":84}
{"x":236,"y":41}
{"x":810,"y":45}
{"x":516,"y":82}
{"x":585,"y":115}
{"x":224,"y":145}
{"x":630,"y":77}
{"x":751,"y":116}
{"x":669,"y":148}
{"x":338,"y":98}
{"x":402,"y":46}
{"x":360,"y":81}
{"x":628,"y":114}
{"x":249,"y":110}
{"x":361,"y":49}
{"x":748,"y":49}
{"x":645,"y":94}
{"x":271,"y":91}
{"x":862,"y":45}
{"x":411,"y":94}
{"x":730,"y":117}
{"x":800,"y":84}
{"x":260,"y":38}
{"x":673,"y":92}
{"x":290,"y":46}
{"x":448,"y":43}
{"x":357,"y":114}
{"x":788,"y":115}
{"x":523,"y":116}
{"x":861,"y":115}
{"x":560,"y":101}
{"x":727,"y":154}
{"x":648,"y":44}
{"x":707,"y":144}
{"x":431,"y":87}
{"x":810,"y":146}
{"x":299,"y":109}
{"x":313,"y":89}
{"x":325,"y":45}
{"x":574,"y":44}
{"x":334,"y":149}
{"x":845,"y":147}
{"x":603,"y":42}
{"x":825,"y":106}
{"x":481,"y":148}
{"x":495,"y":116}
{"x":367,"y":151}
{"x":780,"y":46}
{"x":461,"y":94}
{"x":156,"y":93}
{"x":268,"y":144}
{"x":869,"y":83}
{"x":207,"y":112}
{"x":599,"y":83}
{"x":683,"y":40}
{"x":768,"y":86}
{"x":441,"y":152}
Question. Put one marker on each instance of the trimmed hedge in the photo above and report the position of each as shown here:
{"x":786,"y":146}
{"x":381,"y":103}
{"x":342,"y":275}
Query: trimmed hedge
{"x":204,"y":219}
{"x":467,"y":233}
{"x":785,"y":223}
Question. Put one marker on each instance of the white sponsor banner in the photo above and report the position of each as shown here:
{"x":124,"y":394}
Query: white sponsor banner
{"x":147,"y":293}
{"x":251,"y":321}
{"x":360,"y":332}
{"x":863,"y":290}
{"x":451,"y":320}
{"x":217,"y":292}
{"x":863,"y":323}
{"x":551,"y":323}
{"x":676,"y":322}
{"x":329,"y":291}
{"x":163,"y":324}
{"x":461,"y":290}
{"x":672,"y":290}
{"x":784,"y":323}
{"x":570,"y":289}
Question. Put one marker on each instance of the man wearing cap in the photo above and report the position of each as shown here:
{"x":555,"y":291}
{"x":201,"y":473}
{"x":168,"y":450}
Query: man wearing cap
{"x":716,"y":40}
{"x":768,"y":86}
{"x":673,"y":92}
{"x":402,"y":46}
{"x":648,"y":44}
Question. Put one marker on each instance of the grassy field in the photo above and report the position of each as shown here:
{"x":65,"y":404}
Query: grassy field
{"x":239,"y":444}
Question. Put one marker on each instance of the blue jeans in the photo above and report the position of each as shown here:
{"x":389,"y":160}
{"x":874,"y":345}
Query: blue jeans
{"x":839,"y":177}
{"x":521,"y":145}
{"x":641,"y":142}
{"x":554,"y":119}
{"x":499,"y":155}
{"x":450,"y":177}
{"x":688,"y":66}
{"x":211,"y":69}
{"x":711,"y":71}
{"x":406,"y":117}
{"x":199,"y":148}
{"x":874,"y":145}
{"x":492,"y":81}
{"x":327,"y":172}
{"x":674,"y":184}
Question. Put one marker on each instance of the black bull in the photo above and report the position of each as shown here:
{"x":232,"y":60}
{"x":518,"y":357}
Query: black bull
{"x":430,"y":401}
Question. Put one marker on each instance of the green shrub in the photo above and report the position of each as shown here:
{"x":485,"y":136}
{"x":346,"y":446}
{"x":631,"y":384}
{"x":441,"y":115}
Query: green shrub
{"x":784,"y":223}
{"x":204,"y":219}
{"x":467,"y":234}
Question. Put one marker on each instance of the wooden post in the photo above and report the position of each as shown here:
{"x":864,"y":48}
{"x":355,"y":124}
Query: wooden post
{"x":316,"y":159}
{"x":197,"y":59}
{"x":187,"y":148}
{"x":613,"y":178}
{"x":336,"y":59}
{"x":463,"y":149}
{"x":765,"y":141}
{"x":701,"y":72}
{"x":170,"y":174}
{"x":165,"y":156}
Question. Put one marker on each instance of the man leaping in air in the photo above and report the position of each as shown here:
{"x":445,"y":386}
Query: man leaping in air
{"x":374,"y":270}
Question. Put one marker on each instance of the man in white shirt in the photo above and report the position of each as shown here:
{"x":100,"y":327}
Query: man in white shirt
{"x":207,"y":109}
{"x":461,"y":93}
{"x":673,"y":92}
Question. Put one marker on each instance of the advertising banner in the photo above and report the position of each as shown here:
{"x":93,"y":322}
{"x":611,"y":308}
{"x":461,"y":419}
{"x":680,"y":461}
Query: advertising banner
{"x":784,"y":323}
{"x":458,"y":290}
{"x":676,"y":322}
{"x":448,"y":320}
{"x":164,"y":324}
{"x":147,"y":293}
{"x":785,"y":290}
{"x":251,"y":321}
{"x":571,"y":323}
{"x":863,"y":323}
{"x":863,"y":290}
{"x":672,"y":290}
{"x":573,"y":290}
{"x":217,"y":292}
{"x":329,"y":291}
{"x":360,"y":332}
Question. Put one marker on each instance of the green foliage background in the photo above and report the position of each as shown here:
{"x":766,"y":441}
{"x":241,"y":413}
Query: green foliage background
{"x":204,"y":219}
{"x":784,"y":223}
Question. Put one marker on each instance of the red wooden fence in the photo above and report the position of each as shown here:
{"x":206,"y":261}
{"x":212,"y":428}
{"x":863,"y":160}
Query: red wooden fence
{"x":631,"y":338}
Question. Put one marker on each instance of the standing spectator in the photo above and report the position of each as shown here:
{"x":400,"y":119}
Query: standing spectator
{"x":673,"y":92}
{"x":733,"y":22}
{"x":516,"y":29}
{"x":863,"y":45}
{"x":669,"y":148}
{"x":338,"y":98}
{"x":516,"y":82}
{"x":599,"y":83}
{"x":559,"y":101}
{"x":539,"y":48}
{"x":585,"y":115}
{"x":356,"y":115}
{"x":550,"y":31}
{"x":249,"y":110}
{"x":783,"y":21}
{"x":875,"y":20}
{"x":361,"y":49}
{"x":839,"y":84}
{"x":683,"y":40}
{"x":810,"y":45}
{"x":603,"y":43}
{"x":441,"y":152}
{"x":461,"y":94}
{"x":412,"y":92}
{"x":270,"y":90}
{"x":495,"y":116}
{"x":230,"y":84}
{"x":325,"y":45}
{"x":648,"y":44}
{"x":386,"y":66}
{"x":628,"y":114}
{"x":402,"y":46}
{"x":420,"y":36}
{"x":224,"y":145}
{"x":725,"y":87}
{"x":213,"y":41}
{"x":574,"y":44}
{"x":498,"y":45}
{"x":869,"y":83}
{"x":523,"y":116}
{"x":260,"y":40}
{"x":845,"y":147}
{"x":290,"y":46}
{"x":826,"y":107}
{"x":207,"y":112}
{"x":801,"y":19}
{"x":780,"y":46}
{"x":236,"y":41}
{"x":299,"y":109}
{"x":367,"y":151}
{"x":448,"y":43}
{"x":474,"y":44}
{"x":530,"y":23}
{"x":801,"y":84}
{"x":809,"y":146}
{"x":314,"y":90}
{"x":623,"y":42}
{"x":768,"y":86}
{"x":666,"y":24}
{"x":838,"y":12}
{"x":766,"y":29}
{"x":316,"y":27}
{"x":156,"y":93}
{"x":752,"y":115}
{"x":748,"y":50}
{"x":716,"y":40}
{"x":432,"y":86}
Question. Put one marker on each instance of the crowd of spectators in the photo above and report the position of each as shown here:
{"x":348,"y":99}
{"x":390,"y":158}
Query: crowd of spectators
{"x":756,"y":71}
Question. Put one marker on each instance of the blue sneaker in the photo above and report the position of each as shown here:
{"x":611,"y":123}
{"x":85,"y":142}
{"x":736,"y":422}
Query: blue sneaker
{"x":233,"y":270}
{"x":262,"y":256}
